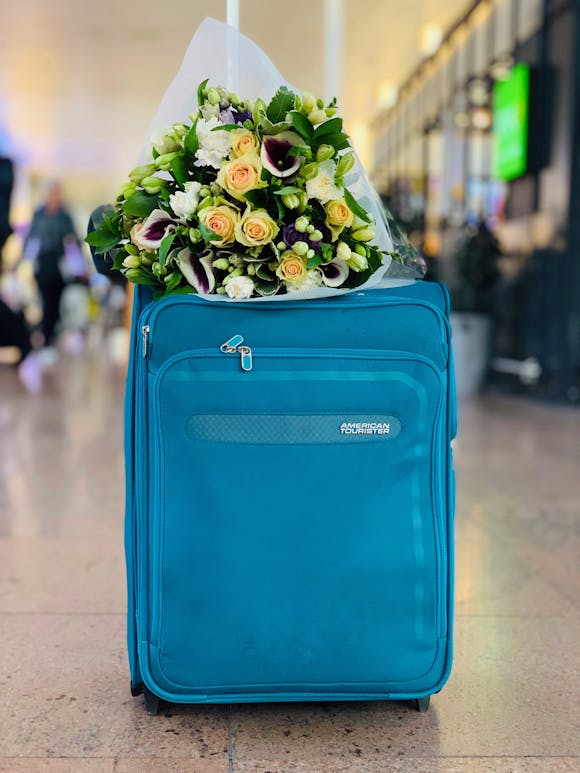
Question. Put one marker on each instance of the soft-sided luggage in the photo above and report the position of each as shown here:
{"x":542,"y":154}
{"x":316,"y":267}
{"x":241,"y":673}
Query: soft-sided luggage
{"x":290,"y":497}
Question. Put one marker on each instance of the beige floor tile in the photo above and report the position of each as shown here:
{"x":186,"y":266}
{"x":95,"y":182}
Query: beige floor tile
{"x":171,"y":765}
{"x":419,"y":765}
{"x":65,"y":692}
{"x":37,"y":765}
{"x":35,"y":575}
{"x":505,"y":697}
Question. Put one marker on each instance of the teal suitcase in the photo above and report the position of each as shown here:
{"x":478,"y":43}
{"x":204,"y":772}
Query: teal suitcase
{"x":290,"y":497}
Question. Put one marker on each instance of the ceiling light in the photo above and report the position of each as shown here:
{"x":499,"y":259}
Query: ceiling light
{"x":430,"y":37}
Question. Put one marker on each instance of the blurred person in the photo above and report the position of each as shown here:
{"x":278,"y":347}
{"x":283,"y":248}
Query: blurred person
{"x":14,"y":331}
{"x":50,"y":236}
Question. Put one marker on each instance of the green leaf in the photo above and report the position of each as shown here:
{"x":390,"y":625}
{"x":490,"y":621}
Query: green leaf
{"x":287,"y":189}
{"x":140,"y":276}
{"x":118,"y":258}
{"x":102,"y":241}
{"x":174,"y":281}
{"x":165,"y":246}
{"x":302,"y":125}
{"x":190,"y":141}
{"x":263,"y":272}
{"x":200,"y":90}
{"x":315,"y":261}
{"x":185,"y":290}
{"x":207,"y":234}
{"x":178,"y":169}
{"x":226,"y":127}
{"x":140,"y":204}
{"x":257,"y":197}
{"x":282,"y":102}
{"x":267,"y":288}
{"x":332,"y":126}
{"x":355,"y":207}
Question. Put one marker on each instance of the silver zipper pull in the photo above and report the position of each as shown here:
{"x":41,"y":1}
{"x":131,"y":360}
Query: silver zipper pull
{"x":246,"y":357}
{"x":231,"y":345}
{"x":145,"y":333}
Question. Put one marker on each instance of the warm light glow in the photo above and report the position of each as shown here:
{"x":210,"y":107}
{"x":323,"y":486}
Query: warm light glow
{"x":430,"y":37}
{"x":388,"y":94}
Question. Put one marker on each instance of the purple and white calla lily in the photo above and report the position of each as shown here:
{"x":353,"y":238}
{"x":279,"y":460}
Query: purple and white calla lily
{"x":197,"y":269}
{"x":334,"y":273}
{"x":275,"y":154}
{"x":148,"y":234}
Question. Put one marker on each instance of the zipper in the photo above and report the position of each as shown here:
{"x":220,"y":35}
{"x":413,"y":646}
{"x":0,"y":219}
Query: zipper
{"x":145,"y":330}
{"x":234,"y":346}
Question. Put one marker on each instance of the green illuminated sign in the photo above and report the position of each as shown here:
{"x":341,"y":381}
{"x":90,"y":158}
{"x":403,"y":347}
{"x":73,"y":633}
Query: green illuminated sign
{"x":510,"y":123}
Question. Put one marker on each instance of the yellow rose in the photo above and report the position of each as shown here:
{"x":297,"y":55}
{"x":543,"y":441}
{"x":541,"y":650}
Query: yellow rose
{"x":256,"y":228}
{"x":221,"y":220}
{"x":241,"y":175}
{"x":243,"y":141}
{"x":338,"y":216}
{"x":292,"y":268}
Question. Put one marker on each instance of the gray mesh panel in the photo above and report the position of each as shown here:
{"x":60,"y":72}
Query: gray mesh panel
{"x":292,"y":429}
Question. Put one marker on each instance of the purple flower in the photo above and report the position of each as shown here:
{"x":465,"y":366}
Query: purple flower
{"x":227,"y":116}
{"x":241,"y":117}
{"x":290,"y":235}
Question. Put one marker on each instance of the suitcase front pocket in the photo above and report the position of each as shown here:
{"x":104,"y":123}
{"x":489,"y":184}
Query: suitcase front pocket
{"x":295,"y":521}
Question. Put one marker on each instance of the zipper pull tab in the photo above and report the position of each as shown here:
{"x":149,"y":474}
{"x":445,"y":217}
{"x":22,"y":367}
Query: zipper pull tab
{"x":231,"y":346}
{"x":145,"y":333}
{"x":246,"y":357}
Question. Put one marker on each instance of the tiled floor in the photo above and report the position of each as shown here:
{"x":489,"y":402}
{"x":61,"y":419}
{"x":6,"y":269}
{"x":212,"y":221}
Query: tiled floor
{"x":511,"y":703}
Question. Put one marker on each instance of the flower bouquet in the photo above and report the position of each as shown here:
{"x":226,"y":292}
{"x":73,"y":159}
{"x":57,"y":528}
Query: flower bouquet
{"x":246,"y":199}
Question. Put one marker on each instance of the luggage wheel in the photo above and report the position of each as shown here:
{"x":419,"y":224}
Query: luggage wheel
{"x":136,"y":689}
{"x":152,"y":701}
{"x":422,"y":704}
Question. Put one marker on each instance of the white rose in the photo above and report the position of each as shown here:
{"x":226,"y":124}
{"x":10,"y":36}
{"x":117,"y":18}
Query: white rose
{"x":323,"y":187}
{"x":343,"y":251}
{"x":312,"y":280}
{"x":163,"y":140}
{"x":213,"y":146}
{"x":184,"y":203}
{"x":240,"y":287}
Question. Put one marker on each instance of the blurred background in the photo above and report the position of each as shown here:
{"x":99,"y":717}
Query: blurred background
{"x":465,"y":115}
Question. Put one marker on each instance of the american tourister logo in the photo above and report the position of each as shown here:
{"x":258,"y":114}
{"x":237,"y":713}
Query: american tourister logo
{"x":365,"y":428}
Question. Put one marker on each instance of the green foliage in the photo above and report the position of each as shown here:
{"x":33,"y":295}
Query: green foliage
{"x":140,"y":204}
{"x":302,"y":125}
{"x":179,"y":170}
{"x":190,"y":141}
{"x":165,"y":246}
{"x":201,"y":92}
{"x":355,"y":207}
{"x":281,"y":103}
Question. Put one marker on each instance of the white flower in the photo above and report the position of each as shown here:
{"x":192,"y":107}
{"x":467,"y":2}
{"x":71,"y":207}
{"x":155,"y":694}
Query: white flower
{"x":343,"y":251}
{"x":312,"y":280}
{"x":163,"y":140}
{"x":323,"y":187}
{"x":184,"y":203}
{"x":213,"y":146}
{"x":240,"y":287}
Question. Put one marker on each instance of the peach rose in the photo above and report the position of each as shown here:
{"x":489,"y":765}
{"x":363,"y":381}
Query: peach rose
{"x":292,"y":268}
{"x":243,"y":141}
{"x":222,"y":221}
{"x":241,"y":175}
{"x":256,"y":228}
